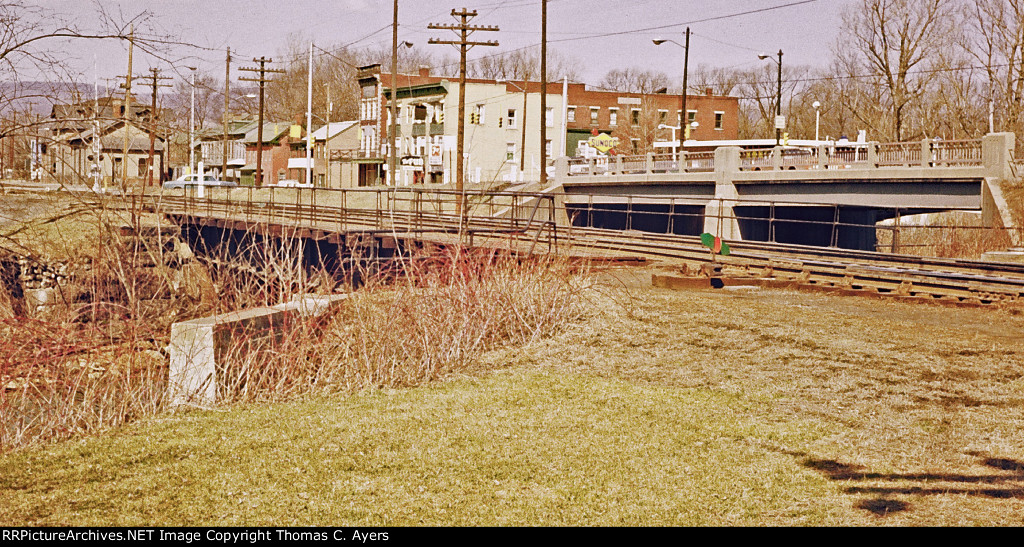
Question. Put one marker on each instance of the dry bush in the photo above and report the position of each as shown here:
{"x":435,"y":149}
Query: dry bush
{"x":434,"y":321}
{"x":945,"y":235}
{"x":56,"y":382}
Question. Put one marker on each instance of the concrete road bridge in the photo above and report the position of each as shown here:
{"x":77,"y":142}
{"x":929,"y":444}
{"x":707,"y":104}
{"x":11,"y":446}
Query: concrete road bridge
{"x":826,"y":196}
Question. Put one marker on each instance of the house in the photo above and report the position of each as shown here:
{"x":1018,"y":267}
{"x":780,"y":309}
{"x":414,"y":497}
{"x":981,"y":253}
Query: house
{"x":279,"y":143}
{"x":334,"y":145}
{"x":210,"y":148}
{"x":87,"y":144}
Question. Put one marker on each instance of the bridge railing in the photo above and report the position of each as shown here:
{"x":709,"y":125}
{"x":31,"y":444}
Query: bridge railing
{"x":961,"y":152}
{"x":383,"y":209}
{"x":860,"y":155}
{"x":905,"y":154}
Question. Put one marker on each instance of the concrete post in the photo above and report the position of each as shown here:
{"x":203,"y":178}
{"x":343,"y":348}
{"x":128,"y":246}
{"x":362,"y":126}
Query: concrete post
{"x":681,"y":161}
{"x":650,"y":163}
{"x":719,"y":213}
{"x":561,"y":168}
{"x":822,"y":157}
{"x":199,"y":348}
{"x":776,"y":158}
{"x":872,"y":155}
{"x":926,"y":153}
{"x":617,"y":169}
{"x":997,"y":155}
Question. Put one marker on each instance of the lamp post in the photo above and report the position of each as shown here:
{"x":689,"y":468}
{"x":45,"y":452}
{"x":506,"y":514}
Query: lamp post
{"x":686,"y":64}
{"x":817,"y":118}
{"x":778,"y":98}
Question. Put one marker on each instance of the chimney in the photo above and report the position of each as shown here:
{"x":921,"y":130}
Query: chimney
{"x":424,"y":71}
{"x":708,"y":91}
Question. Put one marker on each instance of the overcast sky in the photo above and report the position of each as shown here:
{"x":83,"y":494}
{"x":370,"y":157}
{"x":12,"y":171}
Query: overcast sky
{"x":600,"y":34}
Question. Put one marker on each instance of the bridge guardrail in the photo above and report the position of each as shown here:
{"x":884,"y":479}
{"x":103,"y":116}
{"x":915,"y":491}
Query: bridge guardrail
{"x":923,"y":153}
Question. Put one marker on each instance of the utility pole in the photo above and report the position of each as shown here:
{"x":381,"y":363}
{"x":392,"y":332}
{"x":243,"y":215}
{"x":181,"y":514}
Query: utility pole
{"x":684,"y":118}
{"x":309,"y":120}
{"x":262,"y":80}
{"x":392,"y":152}
{"x":154,"y":81}
{"x":543,"y":93}
{"x":463,"y":29}
{"x":127,"y":109}
{"x":224,"y":122}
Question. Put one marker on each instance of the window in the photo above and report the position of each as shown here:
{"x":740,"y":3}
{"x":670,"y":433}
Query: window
{"x":691,"y":116}
{"x":635,"y":116}
{"x":613,"y":116}
{"x":549,"y":117}
{"x":478,"y":114}
{"x":510,"y":151}
{"x":718,"y":119}
{"x":571,"y":113}
{"x":594,"y":111}
{"x":547,"y":147}
{"x":636,"y":145}
{"x":511,"y":118}
{"x":662,"y":116}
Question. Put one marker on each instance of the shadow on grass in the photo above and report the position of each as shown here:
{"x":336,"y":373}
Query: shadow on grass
{"x":887,"y":485}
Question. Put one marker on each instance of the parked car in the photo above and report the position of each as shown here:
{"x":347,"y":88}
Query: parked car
{"x":195,"y":180}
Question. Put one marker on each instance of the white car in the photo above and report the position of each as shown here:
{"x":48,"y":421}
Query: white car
{"x":195,"y":180}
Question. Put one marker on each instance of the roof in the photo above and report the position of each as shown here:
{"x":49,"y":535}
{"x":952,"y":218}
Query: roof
{"x":271,"y":132}
{"x":325,"y":132}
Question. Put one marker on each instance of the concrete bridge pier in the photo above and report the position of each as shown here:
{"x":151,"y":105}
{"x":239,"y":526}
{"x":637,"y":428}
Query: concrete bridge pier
{"x":720,"y":214}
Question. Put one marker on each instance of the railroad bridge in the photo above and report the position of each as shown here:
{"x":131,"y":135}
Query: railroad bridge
{"x":829,"y":196}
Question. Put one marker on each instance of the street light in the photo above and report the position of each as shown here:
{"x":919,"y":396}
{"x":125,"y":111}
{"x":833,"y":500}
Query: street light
{"x":778,"y":104}
{"x":686,"y":63}
{"x":817,"y":118}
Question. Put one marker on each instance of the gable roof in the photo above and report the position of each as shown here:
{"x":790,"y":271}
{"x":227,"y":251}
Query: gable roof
{"x":325,"y":132}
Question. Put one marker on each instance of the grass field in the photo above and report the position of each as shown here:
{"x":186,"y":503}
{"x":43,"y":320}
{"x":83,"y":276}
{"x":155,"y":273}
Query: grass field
{"x":738,"y":407}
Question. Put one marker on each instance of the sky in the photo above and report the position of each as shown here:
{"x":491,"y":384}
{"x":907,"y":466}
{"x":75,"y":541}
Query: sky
{"x":599,"y":35}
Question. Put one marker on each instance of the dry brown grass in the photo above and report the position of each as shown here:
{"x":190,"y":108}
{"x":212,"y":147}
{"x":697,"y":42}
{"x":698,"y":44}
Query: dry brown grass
{"x":927,"y":402}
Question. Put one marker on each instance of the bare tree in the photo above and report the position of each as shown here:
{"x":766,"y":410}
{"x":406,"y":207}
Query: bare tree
{"x":995,"y":39}
{"x":890,"y":47}
{"x":634,"y":80}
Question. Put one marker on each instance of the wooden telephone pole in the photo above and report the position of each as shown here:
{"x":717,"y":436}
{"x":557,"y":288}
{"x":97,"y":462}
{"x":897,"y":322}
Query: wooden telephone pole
{"x":227,"y":95}
{"x":463,"y":29}
{"x":154,"y":81}
{"x":262,"y":80}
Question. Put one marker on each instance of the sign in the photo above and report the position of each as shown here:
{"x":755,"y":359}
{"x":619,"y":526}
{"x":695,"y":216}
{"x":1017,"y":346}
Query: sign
{"x":295,"y":131}
{"x":780,"y":122}
{"x":603,"y":142}
{"x":435,"y":154}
